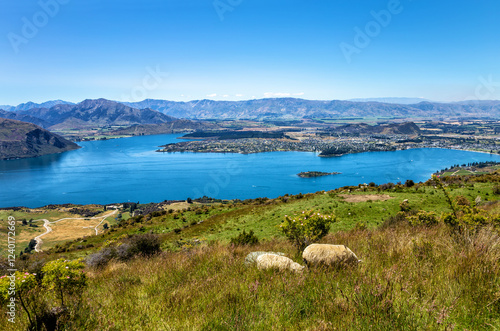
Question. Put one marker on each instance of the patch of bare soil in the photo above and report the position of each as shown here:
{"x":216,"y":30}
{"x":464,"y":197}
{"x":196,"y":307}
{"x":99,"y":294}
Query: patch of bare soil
{"x":364,"y":198}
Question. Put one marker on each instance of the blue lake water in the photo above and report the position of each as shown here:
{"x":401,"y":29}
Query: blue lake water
{"x":129,"y":169}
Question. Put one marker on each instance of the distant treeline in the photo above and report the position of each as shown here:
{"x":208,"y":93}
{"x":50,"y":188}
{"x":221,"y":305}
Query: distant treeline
{"x":223,"y":135}
{"x":472,"y":164}
{"x":282,"y":122}
{"x":341,"y":150}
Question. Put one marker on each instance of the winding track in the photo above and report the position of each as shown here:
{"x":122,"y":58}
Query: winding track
{"x":48,"y":229}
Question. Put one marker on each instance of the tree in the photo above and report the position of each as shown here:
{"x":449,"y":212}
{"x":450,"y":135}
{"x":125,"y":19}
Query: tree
{"x":306,"y":228}
{"x":64,"y":278}
{"x":105,"y":226}
{"x":409,"y":183}
{"x":189,"y":200}
{"x":31,"y":246}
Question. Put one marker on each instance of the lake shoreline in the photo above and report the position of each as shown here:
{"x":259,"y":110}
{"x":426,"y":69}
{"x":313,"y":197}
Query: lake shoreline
{"x":129,"y":170}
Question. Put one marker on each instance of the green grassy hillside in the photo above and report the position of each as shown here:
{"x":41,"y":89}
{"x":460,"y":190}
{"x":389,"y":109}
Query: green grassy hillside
{"x":432,"y":277}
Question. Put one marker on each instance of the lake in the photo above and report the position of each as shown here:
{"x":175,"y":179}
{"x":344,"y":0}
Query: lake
{"x":129,"y":169}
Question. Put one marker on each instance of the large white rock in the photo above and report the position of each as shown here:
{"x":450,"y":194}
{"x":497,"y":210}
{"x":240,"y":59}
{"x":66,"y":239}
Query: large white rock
{"x":328,"y":255}
{"x":272,"y":261}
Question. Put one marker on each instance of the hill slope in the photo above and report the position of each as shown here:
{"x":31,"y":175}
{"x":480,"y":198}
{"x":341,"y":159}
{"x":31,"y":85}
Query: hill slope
{"x":427,"y":276}
{"x":407,"y":128}
{"x":164,"y":128}
{"x":20,"y":140}
{"x":23,"y":118}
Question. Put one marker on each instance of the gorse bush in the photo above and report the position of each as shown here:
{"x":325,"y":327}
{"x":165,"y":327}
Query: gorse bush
{"x":423,"y":217}
{"x":306,"y":228}
{"x":404,"y":206}
{"x":465,"y":217}
{"x":245,"y":238}
{"x":64,"y":278}
{"x":20,"y":286}
{"x":48,"y":300}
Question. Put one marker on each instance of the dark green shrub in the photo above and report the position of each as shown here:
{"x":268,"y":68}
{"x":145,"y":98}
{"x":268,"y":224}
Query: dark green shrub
{"x":496,"y":189}
{"x":409,"y":183}
{"x":101,"y":258}
{"x":404,"y":206}
{"x":460,"y":200}
{"x":144,"y":244}
{"x":245,"y":238}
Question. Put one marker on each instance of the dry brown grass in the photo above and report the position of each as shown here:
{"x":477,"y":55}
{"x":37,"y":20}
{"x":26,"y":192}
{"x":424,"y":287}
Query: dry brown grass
{"x":365,"y":197}
{"x":70,"y":230}
{"x":180,"y":205}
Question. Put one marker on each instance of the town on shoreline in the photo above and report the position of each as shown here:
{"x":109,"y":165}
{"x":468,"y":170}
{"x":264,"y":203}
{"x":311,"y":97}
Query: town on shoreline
{"x":328,"y":142}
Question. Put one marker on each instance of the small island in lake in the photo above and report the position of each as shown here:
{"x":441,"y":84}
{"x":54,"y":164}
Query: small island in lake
{"x":309,"y":174}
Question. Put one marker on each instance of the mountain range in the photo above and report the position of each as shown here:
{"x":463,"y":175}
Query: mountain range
{"x":31,"y":105}
{"x":63,"y":115}
{"x":401,"y":101}
{"x":291,"y":108}
{"x":87,"y":114}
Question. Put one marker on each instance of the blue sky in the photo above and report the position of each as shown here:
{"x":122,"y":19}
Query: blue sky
{"x":244,"y":49}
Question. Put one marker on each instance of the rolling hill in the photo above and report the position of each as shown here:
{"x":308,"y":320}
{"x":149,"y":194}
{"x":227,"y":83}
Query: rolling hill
{"x":407,"y":128}
{"x":165,"y":128}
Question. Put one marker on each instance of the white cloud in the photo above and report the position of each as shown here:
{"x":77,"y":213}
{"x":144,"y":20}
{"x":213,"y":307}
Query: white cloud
{"x":225,"y":96}
{"x":276,"y":95}
{"x":281,"y":94}
{"x":239,"y":95}
{"x":213,"y":95}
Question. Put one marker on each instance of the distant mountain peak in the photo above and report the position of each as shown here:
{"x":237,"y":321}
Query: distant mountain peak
{"x":31,"y":105}
{"x":93,"y":113}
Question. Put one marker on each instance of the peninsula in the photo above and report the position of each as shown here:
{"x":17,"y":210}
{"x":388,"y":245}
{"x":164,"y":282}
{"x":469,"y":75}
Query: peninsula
{"x":21,"y":140}
{"x":310,"y":174}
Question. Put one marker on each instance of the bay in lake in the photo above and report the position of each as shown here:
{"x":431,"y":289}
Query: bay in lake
{"x":129,"y":169}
